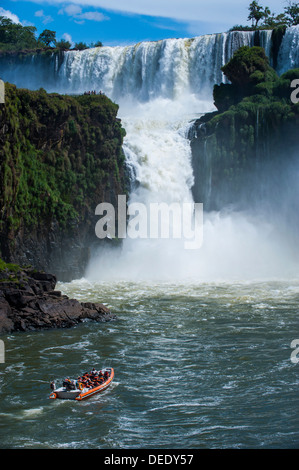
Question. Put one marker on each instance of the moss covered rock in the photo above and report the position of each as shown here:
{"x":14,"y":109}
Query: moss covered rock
{"x":241,"y":154}
{"x":60,"y":156}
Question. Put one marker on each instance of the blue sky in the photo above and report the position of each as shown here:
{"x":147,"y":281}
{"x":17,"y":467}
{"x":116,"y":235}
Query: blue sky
{"x":121,"y":22}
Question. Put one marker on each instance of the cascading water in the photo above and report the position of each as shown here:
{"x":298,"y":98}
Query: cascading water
{"x":166,"y":69}
{"x":160,"y":87}
{"x":228,"y":343}
{"x":288,"y":56}
{"x":165,"y":85}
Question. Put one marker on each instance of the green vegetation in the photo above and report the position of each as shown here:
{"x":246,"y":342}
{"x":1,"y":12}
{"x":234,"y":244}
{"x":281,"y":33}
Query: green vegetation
{"x":47,"y":37}
{"x":262,"y":17}
{"x":59,"y":157}
{"x":249,"y":72}
{"x":252,"y":79}
{"x":9,"y":267}
{"x":15,"y":38}
{"x":256,"y":121}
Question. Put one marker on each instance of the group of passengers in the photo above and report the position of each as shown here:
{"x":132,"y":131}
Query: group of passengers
{"x":93,"y":379}
{"x":93,"y":92}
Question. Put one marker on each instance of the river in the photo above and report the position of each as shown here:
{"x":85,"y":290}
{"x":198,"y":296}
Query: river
{"x":202,"y":345}
{"x":197,"y":365}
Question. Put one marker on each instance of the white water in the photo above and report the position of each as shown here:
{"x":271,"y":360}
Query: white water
{"x":288,"y":57}
{"x":171,"y":68}
{"x":235,"y":245}
{"x":160,"y":87}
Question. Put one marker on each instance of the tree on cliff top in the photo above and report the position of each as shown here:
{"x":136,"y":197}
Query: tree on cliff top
{"x":47,"y":37}
{"x":22,"y":37}
{"x":292,"y":13}
{"x":257,"y":12}
{"x":262,"y":18}
{"x":249,"y":65}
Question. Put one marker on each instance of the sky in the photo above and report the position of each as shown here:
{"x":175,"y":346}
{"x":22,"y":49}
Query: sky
{"x":125,"y":22}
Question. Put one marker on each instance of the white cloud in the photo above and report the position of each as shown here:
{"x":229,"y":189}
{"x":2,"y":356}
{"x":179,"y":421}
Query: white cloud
{"x":93,"y":15}
{"x":45,"y":18}
{"x":212,"y":11}
{"x":72,"y":10}
{"x":76,"y":12}
{"x":39,"y":13}
{"x":10,"y":15}
{"x":67,"y":37}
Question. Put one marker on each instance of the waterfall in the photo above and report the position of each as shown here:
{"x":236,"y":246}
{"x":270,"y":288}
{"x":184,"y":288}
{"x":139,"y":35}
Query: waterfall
{"x":288,"y":56}
{"x":161,"y":87}
{"x":169,"y":68}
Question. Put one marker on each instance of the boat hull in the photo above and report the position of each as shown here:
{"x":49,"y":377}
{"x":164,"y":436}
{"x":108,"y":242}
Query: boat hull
{"x":79,"y":395}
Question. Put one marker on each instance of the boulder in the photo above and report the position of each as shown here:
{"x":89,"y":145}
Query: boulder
{"x":29,"y":301}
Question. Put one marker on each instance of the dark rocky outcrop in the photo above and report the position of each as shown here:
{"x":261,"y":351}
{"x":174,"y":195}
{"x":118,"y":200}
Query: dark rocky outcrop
{"x":29,"y":301}
{"x":245,"y":155}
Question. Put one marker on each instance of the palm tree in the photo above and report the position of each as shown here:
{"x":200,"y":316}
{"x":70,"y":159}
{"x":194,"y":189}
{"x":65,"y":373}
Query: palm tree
{"x":256,"y":13}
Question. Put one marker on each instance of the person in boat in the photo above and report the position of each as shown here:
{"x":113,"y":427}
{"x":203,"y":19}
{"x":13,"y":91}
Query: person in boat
{"x":69,"y":384}
{"x":93,"y":372}
{"x":53,"y":385}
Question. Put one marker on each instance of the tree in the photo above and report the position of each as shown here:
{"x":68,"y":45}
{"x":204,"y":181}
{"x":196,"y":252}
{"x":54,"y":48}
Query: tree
{"x":97,"y":44}
{"x":273,"y":21}
{"x":15,"y":35}
{"x":249,"y":73}
{"x":47,"y":37}
{"x":248,"y":66}
{"x":256,"y":13}
{"x":80,"y":46}
{"x":292,"y":13}
{"x":63,"y":44}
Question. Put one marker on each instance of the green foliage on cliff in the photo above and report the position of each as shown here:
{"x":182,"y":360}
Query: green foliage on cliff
{"x":253,"y":81}
{"x":8,"y":267}
{"x":262,"y":17}
{"x":256,"y":123}
{"x":59,"y":157}
{"x":249,"y":72}
{"x":15,"y":37}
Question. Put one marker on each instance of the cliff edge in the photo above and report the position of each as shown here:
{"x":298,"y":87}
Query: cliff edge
{"x":60,"y":156}
{"x":29,"y":301}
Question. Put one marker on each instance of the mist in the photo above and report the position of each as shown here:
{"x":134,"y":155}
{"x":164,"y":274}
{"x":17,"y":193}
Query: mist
{"x":249,"y":241}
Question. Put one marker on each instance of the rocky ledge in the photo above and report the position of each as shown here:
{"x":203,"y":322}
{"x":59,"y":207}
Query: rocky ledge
{"x":29,"y":301}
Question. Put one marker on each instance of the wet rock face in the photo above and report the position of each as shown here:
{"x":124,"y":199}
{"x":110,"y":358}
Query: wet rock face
{"x":29,"y":301}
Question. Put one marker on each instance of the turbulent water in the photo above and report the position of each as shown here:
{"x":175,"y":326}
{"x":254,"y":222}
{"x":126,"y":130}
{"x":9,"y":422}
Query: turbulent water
{"x":197,"y":365}
{"x":201,"y":348}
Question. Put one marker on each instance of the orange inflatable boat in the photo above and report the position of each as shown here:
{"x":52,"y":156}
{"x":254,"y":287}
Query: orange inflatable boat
{"x":85,"y":386}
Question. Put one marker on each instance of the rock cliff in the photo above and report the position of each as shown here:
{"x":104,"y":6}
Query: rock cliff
{"x":29,"y":301}
{"x":246,"y":154}
{"x":60,"y":156}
